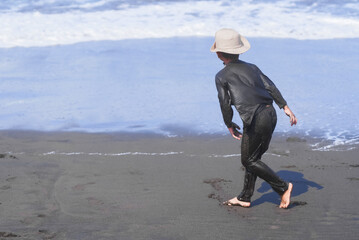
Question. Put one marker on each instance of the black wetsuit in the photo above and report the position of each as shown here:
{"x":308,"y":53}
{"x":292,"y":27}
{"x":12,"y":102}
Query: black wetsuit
{"x":252,"y":93}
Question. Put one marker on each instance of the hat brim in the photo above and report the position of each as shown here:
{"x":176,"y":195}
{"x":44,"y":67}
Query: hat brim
{"x":236,"y":50}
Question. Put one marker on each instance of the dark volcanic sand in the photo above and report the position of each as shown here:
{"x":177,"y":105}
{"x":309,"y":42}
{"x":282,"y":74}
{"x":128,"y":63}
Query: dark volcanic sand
{"x":131,"y":186}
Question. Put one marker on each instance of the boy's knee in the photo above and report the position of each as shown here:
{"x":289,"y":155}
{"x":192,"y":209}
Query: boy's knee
{"x":248,"y":164}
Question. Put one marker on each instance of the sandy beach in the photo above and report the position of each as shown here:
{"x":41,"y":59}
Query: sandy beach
{"x":111,"y":128}
{"x":138,"y":186}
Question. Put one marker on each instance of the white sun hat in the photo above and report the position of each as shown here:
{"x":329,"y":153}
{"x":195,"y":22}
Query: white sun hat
{"x":229,"y":41}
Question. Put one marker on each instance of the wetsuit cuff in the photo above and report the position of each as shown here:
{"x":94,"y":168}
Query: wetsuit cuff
{"x":230,"y":125}
{"x":282,"y":105}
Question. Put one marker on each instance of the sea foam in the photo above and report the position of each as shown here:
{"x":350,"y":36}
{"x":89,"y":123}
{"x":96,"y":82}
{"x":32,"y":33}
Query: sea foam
{"x":36,"y":25}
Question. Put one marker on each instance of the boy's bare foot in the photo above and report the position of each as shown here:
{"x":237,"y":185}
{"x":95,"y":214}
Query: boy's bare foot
{"x":286,"y":197}
{"x":235,"y":202}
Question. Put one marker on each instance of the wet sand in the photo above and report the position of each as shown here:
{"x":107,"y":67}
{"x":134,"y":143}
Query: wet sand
{"x":133,"y":186}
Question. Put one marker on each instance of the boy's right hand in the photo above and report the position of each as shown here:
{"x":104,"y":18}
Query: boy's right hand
{"x":234,"y":132}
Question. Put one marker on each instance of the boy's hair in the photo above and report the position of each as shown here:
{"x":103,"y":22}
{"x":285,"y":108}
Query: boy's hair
{"x":230,"y":56}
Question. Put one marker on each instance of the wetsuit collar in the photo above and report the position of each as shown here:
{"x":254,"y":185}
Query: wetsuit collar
{"x":233,"y":61}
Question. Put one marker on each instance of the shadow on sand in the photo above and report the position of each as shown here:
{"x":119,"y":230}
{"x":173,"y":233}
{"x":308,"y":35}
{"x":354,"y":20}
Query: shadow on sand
{"x":300,"y":186}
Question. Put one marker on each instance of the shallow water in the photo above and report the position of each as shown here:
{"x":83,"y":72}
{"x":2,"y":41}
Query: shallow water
{"x":92,"y":74}
{"x":162,"y":85}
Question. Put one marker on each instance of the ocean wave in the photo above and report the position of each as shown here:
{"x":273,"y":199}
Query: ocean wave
{"x":337,"y":142}
{"x":111,"y":154}
{"x":45,"y":23}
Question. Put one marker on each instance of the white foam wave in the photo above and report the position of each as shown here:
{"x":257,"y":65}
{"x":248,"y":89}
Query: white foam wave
{"x":111,"y":154}
{"x":281,"y":19}
{"x":341,"y":141}
{"x":336,"y":145}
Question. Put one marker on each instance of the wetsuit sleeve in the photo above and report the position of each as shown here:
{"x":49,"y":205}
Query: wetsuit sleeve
{"x":273,"y":91}
{"x":225,"y":102}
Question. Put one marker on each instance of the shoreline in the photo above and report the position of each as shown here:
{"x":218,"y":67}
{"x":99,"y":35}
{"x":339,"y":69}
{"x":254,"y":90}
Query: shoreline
{"x":315,"y":142}
{"x":117,"y":186}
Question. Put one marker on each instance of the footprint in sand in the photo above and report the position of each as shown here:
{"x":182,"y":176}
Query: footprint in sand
{"x":2,"y":155}
{"x":8,"y":235}
{"x":5,"y":187}
{"x":47,"y":234}
{"x":10,"y":179}
{"x":94,"y":201}
{"x":217,"y":184}
{"x":81,"y":187}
